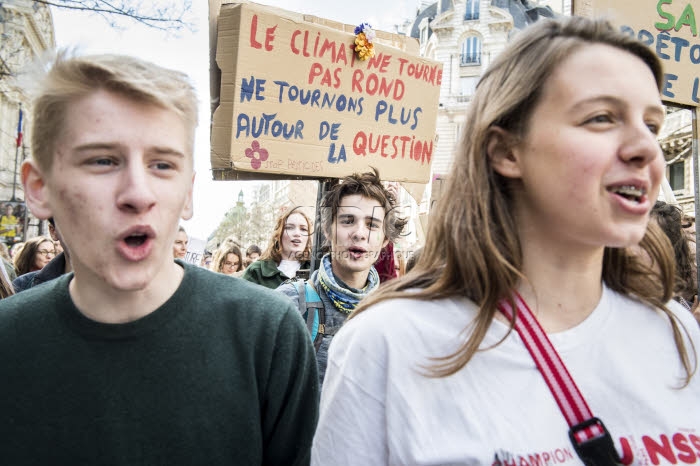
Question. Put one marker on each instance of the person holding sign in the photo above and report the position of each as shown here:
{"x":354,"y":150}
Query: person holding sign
{"x":358,"y":220}
{"x":136,"y":358}
{"x":288,"y":252}
{"x":530,"y":330}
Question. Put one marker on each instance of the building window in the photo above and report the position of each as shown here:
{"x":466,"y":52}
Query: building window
{"x":471,"y":52}
{"x":423,"y":34}
{"x":467,"y":84}
{"x":676,"y":176}
{"x":472,"y":10}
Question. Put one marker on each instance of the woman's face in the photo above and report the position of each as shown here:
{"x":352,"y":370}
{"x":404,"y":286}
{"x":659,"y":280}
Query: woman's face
{"x":294,"y":237}
{"x":180,"y":245}
{"x":231,"y":264}
{"x":590,"y":164}
{"x":44,"y":254}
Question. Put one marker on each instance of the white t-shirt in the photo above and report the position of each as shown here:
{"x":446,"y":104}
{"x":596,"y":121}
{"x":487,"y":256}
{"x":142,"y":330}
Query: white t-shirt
{"x":289,"y":268}
{"x":378,"y":408}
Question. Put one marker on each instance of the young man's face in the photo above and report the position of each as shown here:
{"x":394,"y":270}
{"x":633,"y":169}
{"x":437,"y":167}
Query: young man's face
{"x":357,"y":237}
{"x":120,"y":182}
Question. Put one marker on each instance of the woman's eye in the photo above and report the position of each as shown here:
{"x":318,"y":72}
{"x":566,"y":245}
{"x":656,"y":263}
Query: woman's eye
{"x":603,"y":118}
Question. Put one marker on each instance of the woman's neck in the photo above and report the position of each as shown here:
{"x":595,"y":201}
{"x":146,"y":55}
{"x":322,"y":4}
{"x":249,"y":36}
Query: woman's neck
{"x":562,"y":288}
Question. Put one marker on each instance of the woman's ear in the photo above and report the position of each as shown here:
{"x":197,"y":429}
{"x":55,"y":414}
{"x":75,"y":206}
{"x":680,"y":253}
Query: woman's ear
{"x":500,"y":148}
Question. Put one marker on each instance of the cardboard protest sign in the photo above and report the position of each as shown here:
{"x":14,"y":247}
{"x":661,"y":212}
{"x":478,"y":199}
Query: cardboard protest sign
{"x":195,"y":251}
{"x":295,"y":100}
{"x":670,"y":28}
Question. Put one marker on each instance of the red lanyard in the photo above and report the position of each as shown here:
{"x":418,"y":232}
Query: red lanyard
{"x":588,"y":434}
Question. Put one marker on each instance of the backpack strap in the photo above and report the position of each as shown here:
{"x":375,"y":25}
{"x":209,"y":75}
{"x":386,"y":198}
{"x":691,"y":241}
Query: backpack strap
{"x":314,"y":313}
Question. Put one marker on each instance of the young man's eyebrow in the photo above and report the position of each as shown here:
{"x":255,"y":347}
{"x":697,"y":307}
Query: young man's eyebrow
{"x":166,"y":151}
{"x":96,"y":146}
{"x":160,"y":150}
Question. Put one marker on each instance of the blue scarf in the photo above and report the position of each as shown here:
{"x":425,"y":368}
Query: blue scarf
{"x":344,"y":299}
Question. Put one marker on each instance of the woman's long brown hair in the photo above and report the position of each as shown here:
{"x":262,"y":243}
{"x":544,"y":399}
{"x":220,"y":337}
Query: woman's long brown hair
{"x":472,"y":249}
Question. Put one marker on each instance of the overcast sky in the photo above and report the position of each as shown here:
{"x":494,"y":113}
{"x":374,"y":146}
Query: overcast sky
{"x":189,"y":52}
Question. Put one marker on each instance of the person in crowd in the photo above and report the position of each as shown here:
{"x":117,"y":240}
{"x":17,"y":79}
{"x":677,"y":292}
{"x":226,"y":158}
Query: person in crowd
{"x":289,"y":250}
{"x":387,"y":264}
{"x":358,"y":221}
{"x":228,"y":260}
{"x":58,"y":266}
{"x":5,"y":252}
{"x":8,"y":269}
{"x":36,"y":253}
{"x":135,"y":358}
{"x":669,"y":218}
{"x":400,"y":262}
{"x":206,"y":260}
{"x":15,"y":249}
{"x":551,"y":185}
{"x":252,"y":254}
{"x":8,"y":223}
{"x":5,"y":286}
{"x":180,"y":244}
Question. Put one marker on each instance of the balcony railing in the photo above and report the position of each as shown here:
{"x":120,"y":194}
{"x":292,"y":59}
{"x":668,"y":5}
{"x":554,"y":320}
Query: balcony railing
{"x":470,"y":59}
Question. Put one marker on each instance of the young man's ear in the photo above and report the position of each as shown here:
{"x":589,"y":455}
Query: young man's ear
{"x":35,"y":190}
{"x":188,"y":209}
{"x":500,"y":148}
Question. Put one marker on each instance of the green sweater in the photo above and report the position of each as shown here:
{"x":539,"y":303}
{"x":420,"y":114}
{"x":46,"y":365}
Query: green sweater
{"x":223,"y":373}
{"x":265,"y":273}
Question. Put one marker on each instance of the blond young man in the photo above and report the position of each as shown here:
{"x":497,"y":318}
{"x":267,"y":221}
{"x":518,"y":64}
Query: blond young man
{"x":136,"y":358}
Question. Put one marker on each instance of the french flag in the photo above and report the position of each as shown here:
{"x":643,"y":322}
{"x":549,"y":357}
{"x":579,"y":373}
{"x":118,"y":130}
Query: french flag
{"x":19,"y":129}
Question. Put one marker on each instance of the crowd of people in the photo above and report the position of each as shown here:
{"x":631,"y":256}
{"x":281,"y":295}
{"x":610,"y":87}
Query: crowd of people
{"x":544,"y":313}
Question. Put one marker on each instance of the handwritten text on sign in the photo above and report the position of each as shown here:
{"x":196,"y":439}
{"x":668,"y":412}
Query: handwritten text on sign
{"x":303,"y":104}
{"x":670,"y":28}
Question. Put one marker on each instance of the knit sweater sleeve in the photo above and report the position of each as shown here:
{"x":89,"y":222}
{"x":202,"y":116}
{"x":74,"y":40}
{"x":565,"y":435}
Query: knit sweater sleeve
{"x":290,"y":406}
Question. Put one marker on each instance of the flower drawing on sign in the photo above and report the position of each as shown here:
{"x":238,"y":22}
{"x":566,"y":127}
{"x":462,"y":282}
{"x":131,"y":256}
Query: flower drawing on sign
{"x":364,"y":38}
{"x":256,"y":154}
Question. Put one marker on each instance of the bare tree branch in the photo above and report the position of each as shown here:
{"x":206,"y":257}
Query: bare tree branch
{"x":171,"y":17}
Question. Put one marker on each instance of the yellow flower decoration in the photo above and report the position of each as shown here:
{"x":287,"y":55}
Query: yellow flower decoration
{"x":363,"y":41}
{"x":363,"y":48}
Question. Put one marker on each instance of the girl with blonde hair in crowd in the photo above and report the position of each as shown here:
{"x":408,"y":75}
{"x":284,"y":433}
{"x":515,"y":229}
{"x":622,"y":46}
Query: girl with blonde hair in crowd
{"x":526,"y":266}
{"x":289,"y":250}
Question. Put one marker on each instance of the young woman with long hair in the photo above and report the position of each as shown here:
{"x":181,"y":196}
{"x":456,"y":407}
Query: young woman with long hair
{"x":288,"y":251}
{"x":551,"y":186}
